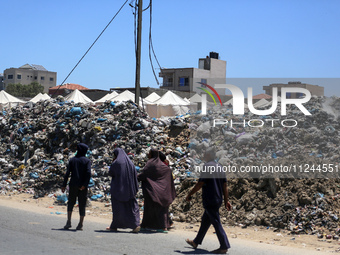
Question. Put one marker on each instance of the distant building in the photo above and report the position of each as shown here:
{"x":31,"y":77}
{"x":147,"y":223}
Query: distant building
{"x":211,"y":70}
{"x":1,"y":81}
{"x":315,"y":90}
{"x":27,"y":74}
{"x":65,"y":89}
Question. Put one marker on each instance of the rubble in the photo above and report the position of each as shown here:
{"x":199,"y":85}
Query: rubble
{"x":37,"y":140}
{"x":304,"y":201}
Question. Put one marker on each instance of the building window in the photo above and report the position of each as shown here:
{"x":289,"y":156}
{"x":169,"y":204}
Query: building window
{"x":203,"y":81}
{"x":168,"y":82}
{"x":10,"y":76}
{"x":288,"y":95}
{"x":51,"y":79}
{"x":19,"y":76}
{"x":183,"y":81}
{"x":35,"y":77}
{"x":42,"y":78}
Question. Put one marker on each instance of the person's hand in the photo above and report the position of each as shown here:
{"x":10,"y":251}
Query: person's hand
{"x":63,"y":189}
{"x":228,"y":206}
{"x":82,"y":188}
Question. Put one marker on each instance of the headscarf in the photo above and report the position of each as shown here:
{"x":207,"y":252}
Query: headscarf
{"x":81,"y":150}
{"x":124,"y":183}
{"x":157,"y":180}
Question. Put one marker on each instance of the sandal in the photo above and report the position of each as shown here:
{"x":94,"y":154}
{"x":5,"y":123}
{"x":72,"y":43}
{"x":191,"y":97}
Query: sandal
{"x":79,"y":227}
{"x":219,"y":251}
{"x":68,"y":225}
{"x":111,"y":229}
{"x":136,"y":230}
{"x":191,"y":243}
{"x":162,"y":231}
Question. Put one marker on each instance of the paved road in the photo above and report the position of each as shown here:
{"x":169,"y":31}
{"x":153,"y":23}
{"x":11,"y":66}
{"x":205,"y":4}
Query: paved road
{"x":24,"y":232}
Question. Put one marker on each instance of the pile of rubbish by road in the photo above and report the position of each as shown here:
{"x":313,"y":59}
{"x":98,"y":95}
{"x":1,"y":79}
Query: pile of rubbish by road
{"x":37,"y":140}
{"x":303,"y":201}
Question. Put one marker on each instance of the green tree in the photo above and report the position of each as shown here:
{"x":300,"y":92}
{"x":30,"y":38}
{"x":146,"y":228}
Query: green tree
{"x":19,"y":90}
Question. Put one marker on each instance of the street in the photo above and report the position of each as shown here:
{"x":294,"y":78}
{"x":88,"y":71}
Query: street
{"x":25,"y":232}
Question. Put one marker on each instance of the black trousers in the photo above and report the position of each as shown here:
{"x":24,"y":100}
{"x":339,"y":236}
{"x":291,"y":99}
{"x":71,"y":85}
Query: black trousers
{"x":72,"y":198}
{"x":210,"y":217}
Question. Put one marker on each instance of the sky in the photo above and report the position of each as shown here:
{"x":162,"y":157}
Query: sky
{"x":257,"y":38}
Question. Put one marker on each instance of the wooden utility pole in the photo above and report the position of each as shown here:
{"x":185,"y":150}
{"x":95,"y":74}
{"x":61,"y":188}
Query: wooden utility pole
{"x":138,"y":51}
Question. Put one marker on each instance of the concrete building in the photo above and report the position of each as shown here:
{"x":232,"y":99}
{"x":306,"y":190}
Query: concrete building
{"x":315,"y":90}
{"x":1,"y":81}
{"x":27,"y":74}
{"x":211,"y":70}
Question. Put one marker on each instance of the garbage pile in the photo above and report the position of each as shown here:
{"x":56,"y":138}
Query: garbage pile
{"x":37,"y":141}
{"x":304,"y":202}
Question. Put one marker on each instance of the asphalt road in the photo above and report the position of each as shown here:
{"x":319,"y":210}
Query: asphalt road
{"x":24,"y":232}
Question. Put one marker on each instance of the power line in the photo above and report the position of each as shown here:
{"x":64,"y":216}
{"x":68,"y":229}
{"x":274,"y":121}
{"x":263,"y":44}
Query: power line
{"x":151,"y":49}
{"x":91,"y":46}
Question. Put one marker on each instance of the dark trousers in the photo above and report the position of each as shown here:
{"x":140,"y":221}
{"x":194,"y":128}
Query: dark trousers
{"x":72,"y":198}
{"x":212,"y":216}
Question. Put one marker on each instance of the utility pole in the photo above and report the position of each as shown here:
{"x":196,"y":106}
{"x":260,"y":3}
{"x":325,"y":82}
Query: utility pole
{"x":138,"y":51}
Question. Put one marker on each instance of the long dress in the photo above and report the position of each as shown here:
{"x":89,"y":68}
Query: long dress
{"x":124,"y":187}
{"x":158,"y":191}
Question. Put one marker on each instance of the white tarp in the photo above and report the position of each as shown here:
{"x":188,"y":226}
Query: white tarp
{"x":126,"y":96}
{"x":195,"y":99}
{"x":169,"y":104}
{"x":7,"y":100}
{"x":261,"y":103}
{"x":107,"y":97}
{"x":77,"y":97}
{"x":39,"y":97}
{"x":230,"y":101}
{"x":152,"y":97}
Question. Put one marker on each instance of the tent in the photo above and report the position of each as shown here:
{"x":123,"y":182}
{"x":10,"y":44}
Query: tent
{"x":39,"y":97}
{"x":195,"y":99}
{"x":77,"y":97}
{"x":107,"y":97}
{"x":261,"y":103}
{"x":168,"y":105}
{"x":7,"y":100}
{"x":230,"y":101}
{"x":126,"y":95}
{"x":152,"y":97}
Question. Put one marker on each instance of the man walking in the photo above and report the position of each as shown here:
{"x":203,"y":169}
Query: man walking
{"x":80,"y":169}
{"x":214,"y":189}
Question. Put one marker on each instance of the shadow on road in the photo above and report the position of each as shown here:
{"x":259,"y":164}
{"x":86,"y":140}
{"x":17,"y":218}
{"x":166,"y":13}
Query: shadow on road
{"x":126,"y":232}
{"x":195,"y":251}
{"x":62,"y":229}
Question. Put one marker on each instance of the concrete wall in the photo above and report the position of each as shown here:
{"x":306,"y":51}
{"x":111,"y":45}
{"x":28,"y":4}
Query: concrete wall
{"x":30,"y":75}
{"x":211,"y":69}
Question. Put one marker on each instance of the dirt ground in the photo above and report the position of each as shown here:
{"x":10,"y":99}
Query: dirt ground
{"x":101,"y":212}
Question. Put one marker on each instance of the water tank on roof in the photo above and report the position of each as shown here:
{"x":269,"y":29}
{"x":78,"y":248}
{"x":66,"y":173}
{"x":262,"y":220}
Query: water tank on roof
{"x":213,"y":54}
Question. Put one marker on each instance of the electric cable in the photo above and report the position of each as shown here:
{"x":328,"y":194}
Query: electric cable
{"x":90,"y":46}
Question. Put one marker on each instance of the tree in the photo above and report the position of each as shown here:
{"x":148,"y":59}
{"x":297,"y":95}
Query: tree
{"x":19,"y":90}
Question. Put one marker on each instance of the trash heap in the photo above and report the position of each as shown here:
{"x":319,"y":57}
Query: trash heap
{"x":37,"y":141}
{"x":299,"y":202}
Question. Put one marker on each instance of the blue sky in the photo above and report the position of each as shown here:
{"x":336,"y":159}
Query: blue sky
{"x":257,"y":38}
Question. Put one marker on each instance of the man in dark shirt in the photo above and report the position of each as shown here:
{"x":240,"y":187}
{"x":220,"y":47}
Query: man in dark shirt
{"x":214,"y":191}
{"x":80,"y":169}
